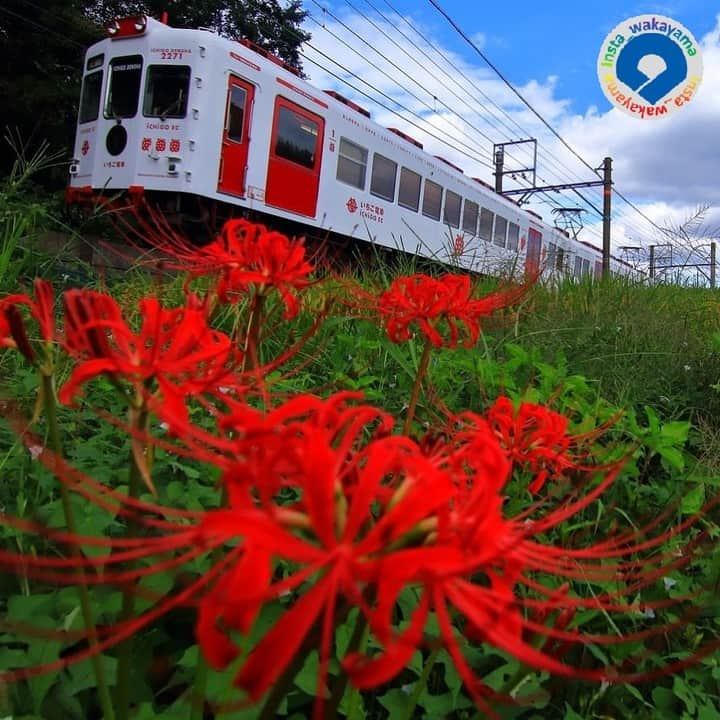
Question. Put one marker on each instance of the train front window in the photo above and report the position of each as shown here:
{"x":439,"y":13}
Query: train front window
{"x":166,"y":91}
{"x":297,"y":137}
{"x":90,"y":97}
{"x":124,"y":86}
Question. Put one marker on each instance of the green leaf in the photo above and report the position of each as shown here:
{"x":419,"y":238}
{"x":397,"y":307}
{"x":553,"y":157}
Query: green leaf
{"x":694,"y":500}
{"x":570,"y":714}
{"x":82,"y":675}
{"x":395,"y":701}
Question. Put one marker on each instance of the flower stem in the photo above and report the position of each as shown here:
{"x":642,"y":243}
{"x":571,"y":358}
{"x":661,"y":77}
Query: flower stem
{"x":252,"y":337}
{"x":420,"y":684}
{"x":421,"y":372}
{"x":125,"y":649}
{"x":48,"y":390}
{"x":358,"y":638}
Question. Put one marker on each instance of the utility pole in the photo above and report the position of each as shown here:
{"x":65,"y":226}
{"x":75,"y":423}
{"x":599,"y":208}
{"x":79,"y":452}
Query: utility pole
{"x":713,"y":260}
{"x":607,"y":197}
{"x":652,"y":263}
{"x":499,"y":162}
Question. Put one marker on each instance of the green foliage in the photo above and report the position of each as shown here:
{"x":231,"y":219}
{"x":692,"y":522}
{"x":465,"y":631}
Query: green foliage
{"x":591,"y":353}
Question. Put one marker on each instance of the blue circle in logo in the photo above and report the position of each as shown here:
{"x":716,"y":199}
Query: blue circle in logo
{"x":639,"y":47}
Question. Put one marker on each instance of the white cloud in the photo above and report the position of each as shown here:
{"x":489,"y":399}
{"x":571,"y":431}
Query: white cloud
{"x":668,"y":167}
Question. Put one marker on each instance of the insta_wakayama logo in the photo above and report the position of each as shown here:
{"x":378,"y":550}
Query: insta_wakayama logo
{"x":650,"y":66}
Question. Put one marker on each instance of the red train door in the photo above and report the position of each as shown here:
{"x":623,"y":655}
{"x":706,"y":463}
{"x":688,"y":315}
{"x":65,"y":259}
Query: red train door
{"x":236,"y":137}
{"x":534,"y":247}
{"x":293,"y":177}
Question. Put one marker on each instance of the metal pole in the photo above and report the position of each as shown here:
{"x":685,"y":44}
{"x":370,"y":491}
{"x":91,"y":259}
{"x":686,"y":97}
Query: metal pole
{"x":652,"y":262}
{"x":499,"y":162}
{"x":607,"y":196}
{"x":713,"y":260}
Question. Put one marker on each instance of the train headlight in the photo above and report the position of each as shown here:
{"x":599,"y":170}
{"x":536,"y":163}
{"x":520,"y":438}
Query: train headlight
{"x":140,"y":23}
{"x":113,"y":28}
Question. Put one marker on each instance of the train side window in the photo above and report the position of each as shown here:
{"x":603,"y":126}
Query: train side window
{"x":296,"y":137}
{"x":513,"y":236}
{"x":470,"y":217}
{"x":166,"y":91}
{"x":486,"y":224}
{"x":578,"y":267}
{"x":500,"y":231}
{"x":560,"y":265}
{"x":585,"y":267}
{"x":409,"y":191}
{"x":452,"y":209}
{"x":90,"y":97}
{"x":352,"y":163}
{"x":124,"y":86}
{"x":384,"y":175}
{"x":432,"y":200}
{"x":551,"y":253}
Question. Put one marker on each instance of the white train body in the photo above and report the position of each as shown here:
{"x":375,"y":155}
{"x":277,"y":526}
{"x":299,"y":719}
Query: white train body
{"x":189,"y":113}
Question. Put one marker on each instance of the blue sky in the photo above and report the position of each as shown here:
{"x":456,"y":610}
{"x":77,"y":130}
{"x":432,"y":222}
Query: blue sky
{"x":413,"y":71}
{"x":533,"y":40}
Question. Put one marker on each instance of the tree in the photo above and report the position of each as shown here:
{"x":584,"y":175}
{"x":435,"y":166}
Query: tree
{"x":270,"y":24}
{"x":43,"y":43}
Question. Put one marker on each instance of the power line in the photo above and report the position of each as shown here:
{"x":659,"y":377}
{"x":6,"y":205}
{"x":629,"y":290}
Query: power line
{"x":490,"y":64}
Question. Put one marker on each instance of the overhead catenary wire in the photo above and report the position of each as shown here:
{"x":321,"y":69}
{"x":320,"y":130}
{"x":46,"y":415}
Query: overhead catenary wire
{"x":492,"y":66}
{"x":588,"y":202}
{"x":45,"y":28}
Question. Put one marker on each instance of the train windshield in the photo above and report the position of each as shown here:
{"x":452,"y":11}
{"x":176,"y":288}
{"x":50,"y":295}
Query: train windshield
{"x":124,"y":86}
{"x":90,"y":97}
{"x":166,"y":91}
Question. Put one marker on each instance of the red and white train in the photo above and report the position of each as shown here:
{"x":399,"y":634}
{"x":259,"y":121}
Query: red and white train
{"x":205,"y":122}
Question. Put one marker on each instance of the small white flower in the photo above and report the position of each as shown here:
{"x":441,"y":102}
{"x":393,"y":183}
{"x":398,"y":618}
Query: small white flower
{"x":669,"y":582}
{"x":686,"y":368}
{"x":224,"y":390}
{"x":35,"y":451}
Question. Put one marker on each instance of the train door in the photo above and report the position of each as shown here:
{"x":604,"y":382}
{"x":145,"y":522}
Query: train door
{"x":293,"y":178}
{"x":534,"y":247}
{"x":236,"y":137}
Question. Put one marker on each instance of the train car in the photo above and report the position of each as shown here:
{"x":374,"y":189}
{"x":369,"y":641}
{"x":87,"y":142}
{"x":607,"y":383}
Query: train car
{"x":205,"y":126}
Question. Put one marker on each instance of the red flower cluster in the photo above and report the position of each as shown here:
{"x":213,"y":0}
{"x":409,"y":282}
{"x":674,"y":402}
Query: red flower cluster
{"x":536,"y":438}
{"x":244,"y":258}
{"x":443,"y":308}
{"x":13,"y":332}
{"x":372,"y":518}
{"x":326,"y":508}
{"x":174,"y":348}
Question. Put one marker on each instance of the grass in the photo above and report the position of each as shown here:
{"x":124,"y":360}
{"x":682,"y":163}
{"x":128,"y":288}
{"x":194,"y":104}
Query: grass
{"x":589,"y":349}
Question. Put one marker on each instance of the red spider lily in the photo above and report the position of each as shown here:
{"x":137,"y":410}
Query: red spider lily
{"x":358,"y":516}
{"x":536,"y":439}
{"x":175,"y":348}
{"x":443,"y":308}
{"x":13,"y":332}
{"x":245,"y":258}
